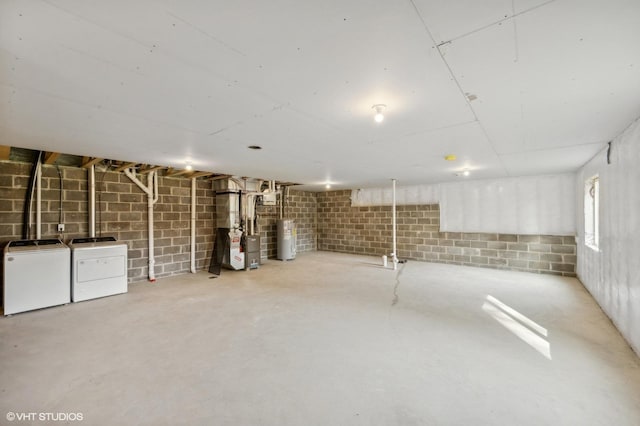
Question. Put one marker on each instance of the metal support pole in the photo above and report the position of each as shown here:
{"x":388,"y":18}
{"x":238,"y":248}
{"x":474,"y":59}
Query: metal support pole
{"x":393,"y":212}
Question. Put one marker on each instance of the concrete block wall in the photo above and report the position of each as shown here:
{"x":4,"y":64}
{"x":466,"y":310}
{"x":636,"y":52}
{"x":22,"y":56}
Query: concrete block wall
{"x":121,"y":211}
{"x":14,"y":180}
{"x":368,"y":230}
{"x":326,"y":221}
{"x":302,"y":207}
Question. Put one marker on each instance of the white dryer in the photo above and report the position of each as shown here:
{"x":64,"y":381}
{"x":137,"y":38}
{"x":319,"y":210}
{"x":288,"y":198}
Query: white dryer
{"x":98,"y":268}
{"x":36,"y":275}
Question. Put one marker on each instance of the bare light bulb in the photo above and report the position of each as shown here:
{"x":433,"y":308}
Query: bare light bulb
{"x":188,"y":167}
{"x":379,"y":117}
{"x":328,"y":186}
{"x":465,"y":173}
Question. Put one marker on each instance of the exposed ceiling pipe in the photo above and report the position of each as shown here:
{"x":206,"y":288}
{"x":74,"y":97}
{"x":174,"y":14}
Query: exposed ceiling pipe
{"x":151,"y":189}
{"x":193,"y":225}
{"x":92,"y":201}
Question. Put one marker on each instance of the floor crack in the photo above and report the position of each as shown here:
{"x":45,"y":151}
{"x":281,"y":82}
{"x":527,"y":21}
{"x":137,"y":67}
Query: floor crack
{"x":396,"y":298}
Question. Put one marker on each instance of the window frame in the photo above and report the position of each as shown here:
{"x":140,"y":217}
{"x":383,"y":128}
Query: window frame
{"x":592,"y":212}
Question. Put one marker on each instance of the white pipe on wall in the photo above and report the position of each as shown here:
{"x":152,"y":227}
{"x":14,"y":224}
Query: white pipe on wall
{"x":39,"y":200}
{"x":393,"y":219}
{"x":193,"y":226}
{"x":92,"y":201}
{"x":151,"y":189}
{"x":151,"y":183}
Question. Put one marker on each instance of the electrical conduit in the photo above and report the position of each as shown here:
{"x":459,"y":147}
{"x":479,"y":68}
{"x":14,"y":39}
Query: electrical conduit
{"x":151,"y":189}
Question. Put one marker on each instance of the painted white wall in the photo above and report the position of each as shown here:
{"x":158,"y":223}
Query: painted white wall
{"x":612,"y":273}
{"x":405,"y":195}
{"x":537,"y":205}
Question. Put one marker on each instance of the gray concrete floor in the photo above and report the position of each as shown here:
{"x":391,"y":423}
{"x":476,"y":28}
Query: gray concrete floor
{"x":322,"y":341}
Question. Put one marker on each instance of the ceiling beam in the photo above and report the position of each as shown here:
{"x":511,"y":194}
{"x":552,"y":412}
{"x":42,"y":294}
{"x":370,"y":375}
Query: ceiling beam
{"x":51,"y":157}
{"x":199,"y":174}
{"x":4,"y":152}
{"x":220,"y":177}
{"x":90,"y":161}
{"x":150,"y":169}
{"x":173,"y":172}
{"x":124,"y":166}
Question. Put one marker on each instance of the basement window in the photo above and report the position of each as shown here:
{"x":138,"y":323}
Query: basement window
{"x":591,"y":212}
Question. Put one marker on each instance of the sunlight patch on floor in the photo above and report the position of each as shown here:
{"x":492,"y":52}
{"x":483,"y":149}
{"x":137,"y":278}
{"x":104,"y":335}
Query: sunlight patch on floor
{"x":526,"y":329}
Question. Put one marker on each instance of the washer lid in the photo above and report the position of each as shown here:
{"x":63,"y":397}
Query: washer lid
{"x":30,"y":245}
{"x":92,"y":240}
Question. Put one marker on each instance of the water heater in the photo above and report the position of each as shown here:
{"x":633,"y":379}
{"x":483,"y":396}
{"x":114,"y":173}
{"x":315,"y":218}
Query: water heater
{"x":286,"y":239}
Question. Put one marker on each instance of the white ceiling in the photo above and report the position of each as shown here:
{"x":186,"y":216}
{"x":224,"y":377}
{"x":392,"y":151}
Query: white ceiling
{"x":164,"y":82}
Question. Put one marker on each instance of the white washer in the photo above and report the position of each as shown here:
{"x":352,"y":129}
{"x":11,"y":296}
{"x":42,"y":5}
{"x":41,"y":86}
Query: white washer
{"x":36,"y":275}
{"x":99,"y":268}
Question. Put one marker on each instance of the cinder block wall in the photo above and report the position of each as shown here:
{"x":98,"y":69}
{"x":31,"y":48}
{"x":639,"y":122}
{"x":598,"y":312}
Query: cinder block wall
{"x":14,"y":180}
{"x":367,"y":230}
{"x":121,"y":211}
{"x":302,"y":206}
{"x":326,"y":221}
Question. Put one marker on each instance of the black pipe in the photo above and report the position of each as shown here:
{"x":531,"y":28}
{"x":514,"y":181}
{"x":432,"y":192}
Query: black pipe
{"x":240,"y":211}
{"x":255,"y":216}
{"x":29,"y":196}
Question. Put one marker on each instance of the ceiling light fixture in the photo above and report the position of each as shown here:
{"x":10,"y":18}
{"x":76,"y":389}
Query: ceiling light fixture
{"x":328,"y":186}
{"x":466,"y":173}
{"x":379,"y":117}
{"x":188,"y":166}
